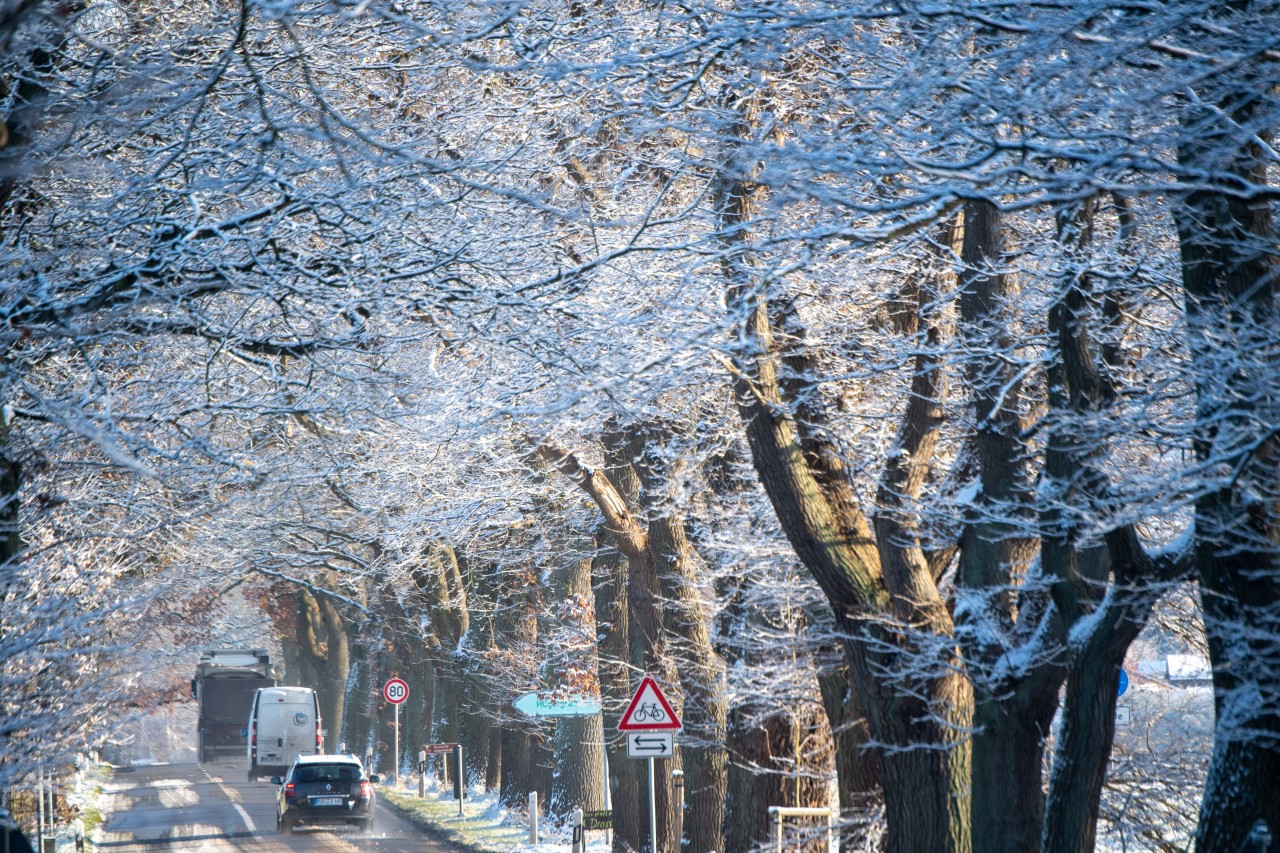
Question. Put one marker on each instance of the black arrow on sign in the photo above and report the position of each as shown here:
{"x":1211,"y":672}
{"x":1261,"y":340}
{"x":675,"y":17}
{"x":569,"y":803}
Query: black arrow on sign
{"x":648,"y":743}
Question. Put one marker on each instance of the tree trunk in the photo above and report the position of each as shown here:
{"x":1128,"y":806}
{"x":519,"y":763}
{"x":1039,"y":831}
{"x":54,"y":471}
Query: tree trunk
{"x":613,"y":620}
{"x":337,"y":669}
{"x":648,"y":646}
{"x":10,"y":499}
{"x":857,"y":765}
{"x":702,"y":674}
{"x":325,"y":657}
{"x":1231,"y":279}
{"x":1012,"y":713}
{"x":579,"y":778}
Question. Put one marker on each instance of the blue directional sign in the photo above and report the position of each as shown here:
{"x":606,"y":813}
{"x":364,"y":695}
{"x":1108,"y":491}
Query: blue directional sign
{"x":1124,"y":683}
{"x":535,"y":705}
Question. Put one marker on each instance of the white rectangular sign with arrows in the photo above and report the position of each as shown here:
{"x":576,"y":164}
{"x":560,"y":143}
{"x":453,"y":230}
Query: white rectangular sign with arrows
{"x":650,"y":744}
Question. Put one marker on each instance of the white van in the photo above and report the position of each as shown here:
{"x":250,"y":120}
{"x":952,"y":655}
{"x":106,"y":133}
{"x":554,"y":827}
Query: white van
{"x":284,"y":722}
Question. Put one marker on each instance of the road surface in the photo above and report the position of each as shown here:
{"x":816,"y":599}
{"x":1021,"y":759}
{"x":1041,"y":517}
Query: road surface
{"x":210,"y":808}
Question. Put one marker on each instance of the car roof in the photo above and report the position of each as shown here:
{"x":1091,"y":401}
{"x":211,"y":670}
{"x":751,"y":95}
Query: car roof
{"x":328,"y":759}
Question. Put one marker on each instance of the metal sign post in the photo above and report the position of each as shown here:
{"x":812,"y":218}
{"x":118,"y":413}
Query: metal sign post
{"x":395,"y":691}
{"x":653,"y":813}
{"x":650,"y":724}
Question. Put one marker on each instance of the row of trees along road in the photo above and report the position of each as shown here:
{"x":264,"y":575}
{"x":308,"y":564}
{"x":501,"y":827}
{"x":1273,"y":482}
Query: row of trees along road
{"x":865,"y":372}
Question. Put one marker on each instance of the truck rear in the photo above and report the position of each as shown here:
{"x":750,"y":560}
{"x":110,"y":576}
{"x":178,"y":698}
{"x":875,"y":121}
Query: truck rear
{"x":225,"y":683}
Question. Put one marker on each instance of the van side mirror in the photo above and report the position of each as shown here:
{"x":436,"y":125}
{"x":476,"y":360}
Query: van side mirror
{"x":374,"y":778}
{"x":276,"y":780}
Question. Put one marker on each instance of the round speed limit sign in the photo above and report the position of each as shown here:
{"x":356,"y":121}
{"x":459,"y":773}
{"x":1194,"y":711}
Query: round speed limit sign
{"x":395,"y":691}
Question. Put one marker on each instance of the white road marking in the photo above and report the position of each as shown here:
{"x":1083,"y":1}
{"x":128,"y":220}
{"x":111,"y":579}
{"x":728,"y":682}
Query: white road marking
{"x":233,"y":797}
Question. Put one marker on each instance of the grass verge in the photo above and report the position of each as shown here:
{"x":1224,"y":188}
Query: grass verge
{"x":481,"y":829}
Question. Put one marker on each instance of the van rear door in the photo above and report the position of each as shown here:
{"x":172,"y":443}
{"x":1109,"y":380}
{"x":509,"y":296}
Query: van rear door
{"x":272,"y":723}
{"x":299,"y":727}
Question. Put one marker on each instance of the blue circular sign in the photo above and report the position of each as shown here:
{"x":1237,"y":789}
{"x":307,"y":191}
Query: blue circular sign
{"x":1124,"y":683}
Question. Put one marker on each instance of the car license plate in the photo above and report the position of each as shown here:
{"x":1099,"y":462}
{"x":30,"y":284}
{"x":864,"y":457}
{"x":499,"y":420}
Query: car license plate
{"x":327,"y":801}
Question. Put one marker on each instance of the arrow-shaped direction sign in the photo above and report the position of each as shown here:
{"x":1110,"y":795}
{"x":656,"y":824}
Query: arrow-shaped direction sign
{"x":546,"y":706}
{"x":650,"y":744}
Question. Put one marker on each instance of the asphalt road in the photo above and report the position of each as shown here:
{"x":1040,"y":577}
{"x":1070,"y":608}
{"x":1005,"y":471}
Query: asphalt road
{"x":210,"y":808}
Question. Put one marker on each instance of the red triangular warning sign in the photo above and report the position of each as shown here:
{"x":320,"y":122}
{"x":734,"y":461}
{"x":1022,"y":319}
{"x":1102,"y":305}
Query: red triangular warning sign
{"x":649,"y":710}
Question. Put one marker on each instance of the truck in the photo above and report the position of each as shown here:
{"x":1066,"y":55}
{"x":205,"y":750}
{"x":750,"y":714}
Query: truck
{"x":224,"y":686}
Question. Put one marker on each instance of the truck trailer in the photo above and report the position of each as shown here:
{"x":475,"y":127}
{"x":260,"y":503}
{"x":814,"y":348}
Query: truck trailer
{"x":225,"y":683}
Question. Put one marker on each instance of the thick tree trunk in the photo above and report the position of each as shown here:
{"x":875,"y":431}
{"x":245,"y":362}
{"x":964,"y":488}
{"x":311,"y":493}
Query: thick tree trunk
{"x":337,"y":669}
{"x":857,"y":765}
{"x":1012,"y":714}
{"x":613,"y":619}
{"x":926,"y":790}
{"x":526,"y":759}
{"x":1119,"y":577}
{"x":325,"y":658}
{"x":1231,"y":278}
{"x":702,"y":674}
{"x":779,"y":759}
{"x":648,"y":644}
{"x":1088,"y":727}
{"x":579,"y":778}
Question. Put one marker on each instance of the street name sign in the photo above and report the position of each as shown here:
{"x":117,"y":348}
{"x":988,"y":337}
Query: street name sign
{"x":650,"y":744}
{"x":649,"y":710}
{"x":437,"y":748}
{"x":395,"y":691}
{"x":535,"y":705}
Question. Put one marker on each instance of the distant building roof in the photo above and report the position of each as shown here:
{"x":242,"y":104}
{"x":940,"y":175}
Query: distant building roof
{"x":1188,"y":667}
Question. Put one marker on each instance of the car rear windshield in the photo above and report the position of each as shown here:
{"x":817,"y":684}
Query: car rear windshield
{"x":326,"y":773}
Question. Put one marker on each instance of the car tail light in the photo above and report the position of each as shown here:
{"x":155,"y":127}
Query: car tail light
{"x":366,"y":789}
{"x":290,"y":791}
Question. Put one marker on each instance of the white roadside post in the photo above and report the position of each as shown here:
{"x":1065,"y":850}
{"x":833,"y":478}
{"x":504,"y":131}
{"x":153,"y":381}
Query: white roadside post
{"x":533,"y":818}
{"x":460,"y":782}
{"x":677,"y":795}
{"x":422,"y":773}
{"x":577,"y":844}
{"x":40,"y":812}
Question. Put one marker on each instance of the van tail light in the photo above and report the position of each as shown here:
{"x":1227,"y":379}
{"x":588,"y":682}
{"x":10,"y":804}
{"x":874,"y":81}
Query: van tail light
{"x":319,"y":738}
{"x":290,"y":791}
{"x":253,"y":736}
{"x":366,"y":789}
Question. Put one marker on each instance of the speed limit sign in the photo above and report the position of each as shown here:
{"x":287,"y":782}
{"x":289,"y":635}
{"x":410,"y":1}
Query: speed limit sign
{"x":395,"y":691}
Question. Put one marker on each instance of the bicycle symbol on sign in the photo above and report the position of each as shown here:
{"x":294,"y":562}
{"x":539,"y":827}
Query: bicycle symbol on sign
{"x":649,"y":711}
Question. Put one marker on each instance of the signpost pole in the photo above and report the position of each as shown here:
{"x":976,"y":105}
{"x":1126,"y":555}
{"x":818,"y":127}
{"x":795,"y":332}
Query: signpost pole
{"x":395,"y":756}
{"x":653,"y":813}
